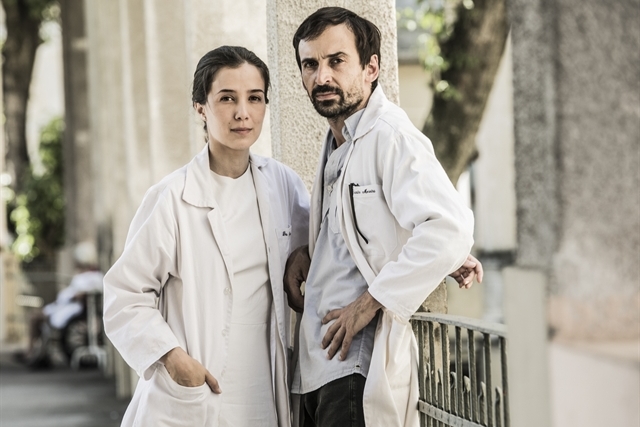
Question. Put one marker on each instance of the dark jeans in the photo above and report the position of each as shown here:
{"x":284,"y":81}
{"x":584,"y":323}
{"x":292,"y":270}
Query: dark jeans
{"x":336,"y":404}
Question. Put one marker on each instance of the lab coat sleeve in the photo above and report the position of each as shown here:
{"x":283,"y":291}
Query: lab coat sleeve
{"x":422,"y":199}
{"x":132,"y":320}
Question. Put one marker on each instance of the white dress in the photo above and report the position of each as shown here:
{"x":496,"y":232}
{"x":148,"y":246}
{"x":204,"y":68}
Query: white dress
{"x":246,"y":383}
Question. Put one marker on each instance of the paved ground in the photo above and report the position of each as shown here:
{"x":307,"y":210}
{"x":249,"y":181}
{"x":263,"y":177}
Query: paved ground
{"x":58,"y":397}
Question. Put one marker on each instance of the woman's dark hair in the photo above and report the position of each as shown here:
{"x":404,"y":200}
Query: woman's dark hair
{"x":224,"y":57}
{"x":366,"y":33}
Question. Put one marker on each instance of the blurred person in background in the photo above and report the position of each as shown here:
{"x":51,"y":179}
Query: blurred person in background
{"x":195,"y":303}
{"x":69,"y":303}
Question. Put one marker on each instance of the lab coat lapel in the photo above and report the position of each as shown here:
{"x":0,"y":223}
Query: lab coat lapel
{"x":217,"y":228}
{"x":198,"y":192}
{"x":315,"y":216}
{"x":264,"y":207}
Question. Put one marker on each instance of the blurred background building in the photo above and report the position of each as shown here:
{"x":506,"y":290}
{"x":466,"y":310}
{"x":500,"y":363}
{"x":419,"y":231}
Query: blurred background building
{"x":533,"y":107}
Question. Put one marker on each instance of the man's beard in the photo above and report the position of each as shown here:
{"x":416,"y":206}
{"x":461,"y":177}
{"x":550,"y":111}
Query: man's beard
{"x":333,"y":109}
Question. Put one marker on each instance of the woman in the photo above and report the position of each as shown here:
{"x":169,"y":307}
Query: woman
{"x":195,"y":303}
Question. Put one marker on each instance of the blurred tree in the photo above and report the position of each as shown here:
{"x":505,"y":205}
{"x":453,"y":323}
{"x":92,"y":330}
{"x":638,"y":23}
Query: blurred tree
{"x":461,"y":48}
{"x":23,"y":19}
{"x":37,"y":216}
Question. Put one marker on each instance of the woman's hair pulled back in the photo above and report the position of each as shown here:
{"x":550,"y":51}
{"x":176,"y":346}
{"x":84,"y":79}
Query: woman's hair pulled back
{"x":224,"y":57}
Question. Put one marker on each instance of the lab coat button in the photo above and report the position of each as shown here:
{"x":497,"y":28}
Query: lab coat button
{"x":225,"y":332}
{"x":227,"y":291}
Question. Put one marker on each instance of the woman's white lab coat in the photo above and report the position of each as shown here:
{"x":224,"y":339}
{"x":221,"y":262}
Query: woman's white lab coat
{"x":173,"y":286}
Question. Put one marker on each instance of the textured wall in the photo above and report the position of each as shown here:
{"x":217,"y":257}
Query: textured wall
{"x":297,"y":131}
{"x":577,"y":118}
{"x":598,"y":108}
{"x":534,"y":119}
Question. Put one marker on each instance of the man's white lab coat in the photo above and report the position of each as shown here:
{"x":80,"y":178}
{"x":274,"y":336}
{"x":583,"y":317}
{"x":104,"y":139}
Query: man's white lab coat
{"x":417,"y":231}
{"x":173,"y":286}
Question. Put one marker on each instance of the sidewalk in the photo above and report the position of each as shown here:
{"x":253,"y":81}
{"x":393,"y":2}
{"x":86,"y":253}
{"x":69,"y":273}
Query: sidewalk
{"x":58,"y":397}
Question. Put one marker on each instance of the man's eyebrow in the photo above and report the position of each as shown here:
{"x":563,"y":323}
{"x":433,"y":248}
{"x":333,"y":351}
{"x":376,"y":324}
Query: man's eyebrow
{"x":330,"y":56}
{"x":337,"y":54}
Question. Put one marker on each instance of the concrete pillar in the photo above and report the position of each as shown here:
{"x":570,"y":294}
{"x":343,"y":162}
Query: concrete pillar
{"x":78,"y":169}
{"x":135,"y":100}
{"x":105,"y":104}
{"x":525,"y":307}
{"x":108,"y":132}
{"x":168,"y":83}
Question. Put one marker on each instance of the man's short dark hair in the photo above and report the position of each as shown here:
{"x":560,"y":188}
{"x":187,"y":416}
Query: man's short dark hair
{"x":367,"y":35}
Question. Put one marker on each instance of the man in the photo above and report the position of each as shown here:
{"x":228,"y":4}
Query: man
{"x":386,"y":227}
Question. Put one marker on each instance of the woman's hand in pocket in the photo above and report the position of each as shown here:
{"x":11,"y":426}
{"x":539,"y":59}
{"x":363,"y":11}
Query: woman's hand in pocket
{"x":187,"y":371}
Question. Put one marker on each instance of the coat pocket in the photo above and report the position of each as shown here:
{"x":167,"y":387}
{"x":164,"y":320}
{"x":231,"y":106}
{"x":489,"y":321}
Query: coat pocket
{"x":166,"y":403}
{"x":375,"y":225}
{"x":284,"y":242}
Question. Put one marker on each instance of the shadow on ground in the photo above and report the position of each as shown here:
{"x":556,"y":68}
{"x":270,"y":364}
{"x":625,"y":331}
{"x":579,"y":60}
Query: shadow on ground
{"x":56,"y":397}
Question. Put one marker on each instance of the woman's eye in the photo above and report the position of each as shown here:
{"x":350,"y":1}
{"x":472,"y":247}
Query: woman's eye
{"x":226,"y":98}
{"x":255,"y":99}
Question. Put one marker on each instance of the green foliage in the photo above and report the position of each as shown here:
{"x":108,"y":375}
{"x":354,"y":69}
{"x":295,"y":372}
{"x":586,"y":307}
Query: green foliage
{"x":38,"y":212}
{"x":435,"y":21}
{"x":39,"y":10}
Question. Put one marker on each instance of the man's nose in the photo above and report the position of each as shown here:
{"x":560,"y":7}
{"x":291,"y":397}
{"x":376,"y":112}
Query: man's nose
{"x":323,"y":75}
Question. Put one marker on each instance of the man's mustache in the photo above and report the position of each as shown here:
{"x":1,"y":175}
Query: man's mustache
{"x":325,"y":89}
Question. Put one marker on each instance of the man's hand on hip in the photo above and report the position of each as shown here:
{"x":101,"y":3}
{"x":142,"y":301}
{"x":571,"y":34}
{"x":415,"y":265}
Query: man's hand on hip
{"x":348,"y":322}
{"x":295,"y":273}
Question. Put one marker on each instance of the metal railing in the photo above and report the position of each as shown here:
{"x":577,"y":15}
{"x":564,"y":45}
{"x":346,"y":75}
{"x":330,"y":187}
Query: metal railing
{"x":457,"y":382}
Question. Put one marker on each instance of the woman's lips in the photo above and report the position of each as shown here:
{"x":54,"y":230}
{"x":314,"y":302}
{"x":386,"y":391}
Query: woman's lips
{"x":241,"y":131}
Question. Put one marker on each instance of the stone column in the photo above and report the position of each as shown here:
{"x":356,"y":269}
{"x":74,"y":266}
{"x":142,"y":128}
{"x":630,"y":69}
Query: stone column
{"x":168,"y":83}
{"x":111,"y":203}
{"x":78,"y":169}
{"x":135,"y":97}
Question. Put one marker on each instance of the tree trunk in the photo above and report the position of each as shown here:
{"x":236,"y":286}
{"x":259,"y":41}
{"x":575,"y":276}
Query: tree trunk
{"x":474,"y":51}
{"x":19,"y":52}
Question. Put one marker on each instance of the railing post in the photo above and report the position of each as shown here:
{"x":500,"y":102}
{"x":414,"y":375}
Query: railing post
{"x":449,"y":397}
